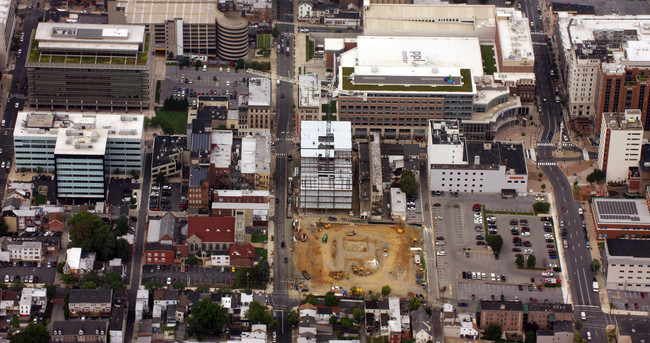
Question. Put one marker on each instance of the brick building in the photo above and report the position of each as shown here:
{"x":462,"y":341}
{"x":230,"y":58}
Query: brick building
{"x":210,"y":233}
{"x":508,"y":314}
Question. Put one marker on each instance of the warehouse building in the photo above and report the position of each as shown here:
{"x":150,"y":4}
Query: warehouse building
{"x":89,"y":66}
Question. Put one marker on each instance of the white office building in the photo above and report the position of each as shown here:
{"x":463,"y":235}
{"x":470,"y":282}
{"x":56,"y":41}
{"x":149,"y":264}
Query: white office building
{"x":628,"y":265}
{"x":326,"y":165}
{"x":620,"y":144}
{"x":7,"y":27}
{"x":457,"y":165}
{"x":81,"y":149}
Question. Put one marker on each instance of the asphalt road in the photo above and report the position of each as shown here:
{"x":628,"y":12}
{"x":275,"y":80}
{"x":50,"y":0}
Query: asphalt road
{"x":283,"y":273}
{"x":138,"y":249}
{"x":577,"y":256}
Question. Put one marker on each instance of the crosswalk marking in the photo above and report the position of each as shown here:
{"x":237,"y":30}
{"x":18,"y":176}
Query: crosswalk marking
{"x":284,"y":22}
{"x":546,"y":163}
{"x":545,"y":144}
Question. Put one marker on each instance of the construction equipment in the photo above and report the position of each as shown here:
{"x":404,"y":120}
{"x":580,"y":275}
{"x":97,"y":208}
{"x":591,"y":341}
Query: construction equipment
{"x":414,"y":242}
{"x":327,"y":226}
{"x":355,"y":270}
{"x":399,"y":226}
{"x":385,"y":250}
{"x":306,"y":275}
{"x":351,"y":233}
{"x":325,"y":238}
{"x":303,"y":237}
{"x":340,"y":275}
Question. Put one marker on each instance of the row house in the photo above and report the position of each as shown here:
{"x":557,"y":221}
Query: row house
{"x":25,"y":251}
{"x":254,"y":204}
{"x":90,"y":302}
{"x":88,"y":331}
{"x":32,"y":300}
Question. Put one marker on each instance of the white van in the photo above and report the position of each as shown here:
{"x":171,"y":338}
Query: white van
{"x":583,"y":316}
{"x":205,"y":68}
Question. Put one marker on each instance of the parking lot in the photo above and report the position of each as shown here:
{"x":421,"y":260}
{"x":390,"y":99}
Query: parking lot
{"x":214,"y":81}
{"x":166,"y":199}
{"x":465,"y":248}
{"x":195,"y":275}
{"x":47,"y":185}
{"x":118,"y":188}
{"x":9,"y":273}
{"x":633,"y":301}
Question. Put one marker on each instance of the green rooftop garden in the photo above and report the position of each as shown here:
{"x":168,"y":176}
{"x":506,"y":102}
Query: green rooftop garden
{"x":36,"y":56}
{"x":489,"y":63}
{"x":466,"y":85}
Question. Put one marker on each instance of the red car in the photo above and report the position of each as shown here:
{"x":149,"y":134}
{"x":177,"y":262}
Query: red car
{"x":563,"y":209}
{"x":539,"y":288}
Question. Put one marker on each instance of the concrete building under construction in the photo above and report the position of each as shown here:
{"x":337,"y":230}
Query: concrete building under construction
{"x":326,"y":165}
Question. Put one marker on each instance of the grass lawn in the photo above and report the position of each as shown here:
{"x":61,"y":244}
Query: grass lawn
{"x":259,"y":238}
{"x":39,"y":199}
{"x":263,"y":253}
{"x":465,"y":86}
{"x":172,"y":122}
{"x":310,"y":48}
{"x":263,"y":41}
{"x":489,"y":63}
{"x":158,"y":91}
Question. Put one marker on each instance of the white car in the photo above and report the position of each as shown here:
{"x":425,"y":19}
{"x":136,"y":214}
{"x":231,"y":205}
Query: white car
{"x":561,"y":223}
{"x":17,"y":105}
{"x":438,"y":217}
{"x":441,"y":253}
{"x":169,"y":281}
{"x":548,"y":236}
{"x":547,"y":274}
{"x":493,"y":277}
{"x":580,"y":210}
{"x":552,"y":265}
{"x":528,"y":252}
{"x":440,"y":242}
{"x":483,"y":276}
{"x":491,"y":217}
{"x":525,"y":234}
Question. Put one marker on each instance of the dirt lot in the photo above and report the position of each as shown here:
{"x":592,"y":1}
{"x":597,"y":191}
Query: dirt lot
{"x":341,"y":253}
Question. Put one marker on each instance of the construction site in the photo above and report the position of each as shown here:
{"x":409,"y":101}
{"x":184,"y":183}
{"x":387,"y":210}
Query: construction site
{"x":341,"y":256}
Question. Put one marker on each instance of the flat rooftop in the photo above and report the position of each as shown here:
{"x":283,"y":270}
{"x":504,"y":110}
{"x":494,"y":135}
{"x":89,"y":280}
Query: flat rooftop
{"x":159,"y":11}
{"x":221,"y":154}
{"x":628,"y":248}
{"x":164,"y":147}
{"x":314,"y":139}
{"x":623,"y":121}
{"x":309,"y":90}
{"x":70,"y":141}
{"x":89,"y":37}
{"x":514,"y":36}
{"x":5,"y":7}
{"x":587,"y":27}
{"x":418,"y":20}
{"x":621,"y":211}
{"x":259,"y":91}
{"x":125,"y":126}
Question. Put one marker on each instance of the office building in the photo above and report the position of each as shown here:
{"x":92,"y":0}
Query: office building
{"x":604,"y":62}
{"x":255,"y":161}
{"x":458,"y":165}
{"x":89,"y":66}
{"x":621,"y":218}
{"x":259,"y":113}
{"x":182,"y":28}
{"x":395,"y":85}
{"x":7,"y":28}
{"x":309,"y":97}
{"x":252,"y":205}
{"x":232,"y":36}
{"x":81,"y":149}
{"x":325,"y":165}
{"x":620,"y":144}
{"x":628,"y":265}
{"x":221,"y":142}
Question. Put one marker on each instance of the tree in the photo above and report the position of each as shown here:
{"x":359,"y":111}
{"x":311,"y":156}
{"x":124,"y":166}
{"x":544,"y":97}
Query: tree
{"x":543,"y":186}
{"x":531,"y":261}
{"x":578,"y":324}
{"x":179,"y":286}
{"x":170,"y":56}
{"x":407,"y":183}
{"x":207,"y":319}
{"x":89,"y":285}
{"x":414,"y":303}
{"x":495,"y":242}
{"x":59,"y":267}
{"x":151,"y":285}
{"x":69,"y":279}
{"x":257,"y":314}
{"x":293,"y":318}
{"x":84,"y":224}
{"x":3,"y":286}
{"x":310,"y":298}
{"x":331,"y":299}
{"x":264,"y":269}
{"x":122,"y":225}
{"x":241,"y":64}
{"x":519,"y":261}
{"x":578,"y":338}
{"x":332,"y":320}
{"x":531,"y":337}
{"x":135,"y":174}
{"x":17,"y":285}
{"x":595,"y":265}
{"x":186,"y":61}
{"x":493,"y":332}
{"x":198,"y":63}
{"x":33,"y":333}
{"x":541,"y":207}
{"x":192,"y":260}
{"x":3,"y":227}
{"x":596,"y":176}
{"x":358,"y":314}
{"x":386,"y":290}
{"x":90,"y":277}
{"x":347,"y":322}
{"x":276,"y":31}
{"x":611,"y":336}
{"x":50,"y":290}
{"x":160,"y":178}
{"x":122,"y":249}
{"x":114,"y":280}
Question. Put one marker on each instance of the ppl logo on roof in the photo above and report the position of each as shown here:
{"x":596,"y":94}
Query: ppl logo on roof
{"x":415,"y":58}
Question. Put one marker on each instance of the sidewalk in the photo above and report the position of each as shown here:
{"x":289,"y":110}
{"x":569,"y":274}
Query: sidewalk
{"x":566,"y":293}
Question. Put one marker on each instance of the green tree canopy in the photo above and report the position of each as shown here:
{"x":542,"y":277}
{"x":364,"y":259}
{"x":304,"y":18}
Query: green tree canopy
{"x":358,"y":314}
{"x":386,"y":290}
{"x":33,"y":333}
{"x":207,"y":319}
{"x":493,"y":332}
{"x":276,"y":31}
{"x":151,"y":285}
{"x":122,"y":225}
{"x":293,"y":317}
{"x":92,"y":235}
{"x":541,"y":207}
{"x":495,"y":242}
{"x":595,"y":265}
{"x":519,"y":261}
{"x":160,"y":178}
{"x":69,"y":279}
{"x":89,"y":285}
{"x":531,"y":261}
{"x":264,"y":269}
{"x":113,"y":280}
{"x":331,"y":299}
{"x":257,"y":314}
{"x":407,"y":183}
{"x":414,"y":303}
{"x":596,"y":176}
{"x":310,"y":298}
